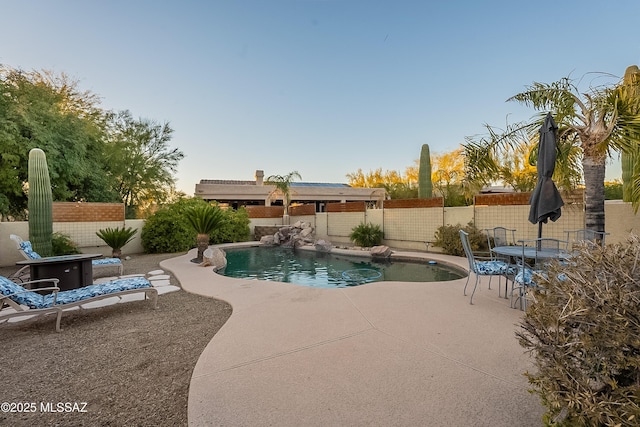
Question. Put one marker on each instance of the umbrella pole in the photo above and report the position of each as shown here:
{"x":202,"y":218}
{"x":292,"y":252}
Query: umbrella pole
{"x":539,"y":243}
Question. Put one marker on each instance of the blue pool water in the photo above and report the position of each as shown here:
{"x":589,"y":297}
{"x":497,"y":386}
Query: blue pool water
{"x":321,"y":270}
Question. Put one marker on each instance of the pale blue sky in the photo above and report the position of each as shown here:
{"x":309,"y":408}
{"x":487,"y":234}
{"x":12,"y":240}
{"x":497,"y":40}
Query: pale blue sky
{"x":323,"y":87}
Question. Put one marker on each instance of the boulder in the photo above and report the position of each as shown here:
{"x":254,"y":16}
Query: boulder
{"x":381,"y":251}
{"x":306,"y":232}
{"x":323,"y":246}
{"x":267,"y":240}
{"x":285,"y":231}
{"x":294,"y":235}
{"x":215,"y":258}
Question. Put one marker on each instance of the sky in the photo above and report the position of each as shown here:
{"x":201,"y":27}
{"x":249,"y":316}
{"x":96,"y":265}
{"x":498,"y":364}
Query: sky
{"x":322,"y":87}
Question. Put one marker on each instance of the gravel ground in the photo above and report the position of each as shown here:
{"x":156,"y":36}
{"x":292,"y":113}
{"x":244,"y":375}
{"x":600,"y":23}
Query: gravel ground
{"x":121,"y":365}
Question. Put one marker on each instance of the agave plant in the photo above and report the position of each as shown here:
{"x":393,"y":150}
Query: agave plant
{"x":204,"y":219}
{"x":366,"y":235}
{"x":116,"y":238}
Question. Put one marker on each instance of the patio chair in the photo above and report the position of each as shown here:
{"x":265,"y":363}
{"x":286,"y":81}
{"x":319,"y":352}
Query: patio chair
{"x":584,"y":236}
{"x":103,"y":267}
{"x":501,"y":236}
{"x":480,"y":265}
{"x":18,"y":301}
{"x":534,"y":261}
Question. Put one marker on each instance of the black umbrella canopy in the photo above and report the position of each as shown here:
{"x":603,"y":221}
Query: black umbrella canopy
{"x":545,"y":201}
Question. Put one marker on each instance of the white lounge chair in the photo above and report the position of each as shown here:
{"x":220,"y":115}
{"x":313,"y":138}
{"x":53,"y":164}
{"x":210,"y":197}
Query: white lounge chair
{"x":18,"y":301}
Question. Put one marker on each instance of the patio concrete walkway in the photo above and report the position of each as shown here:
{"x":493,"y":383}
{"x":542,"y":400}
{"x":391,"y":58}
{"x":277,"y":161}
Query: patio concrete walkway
{"x":381,"y":354}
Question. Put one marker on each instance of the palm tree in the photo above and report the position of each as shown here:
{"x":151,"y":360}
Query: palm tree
{"x":204,"y":219}
{"x":282,"y":184}
{"x":598,"y":122}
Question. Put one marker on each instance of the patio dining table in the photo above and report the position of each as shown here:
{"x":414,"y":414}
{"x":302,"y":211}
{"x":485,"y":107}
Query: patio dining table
{"x":530,"y":252}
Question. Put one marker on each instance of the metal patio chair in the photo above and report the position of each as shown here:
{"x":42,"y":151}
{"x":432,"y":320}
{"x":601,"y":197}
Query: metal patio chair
{"x":501,"y":236}
{"x":480,"y":265}
{"x":534,"y":261}
{"x":584,"y":236}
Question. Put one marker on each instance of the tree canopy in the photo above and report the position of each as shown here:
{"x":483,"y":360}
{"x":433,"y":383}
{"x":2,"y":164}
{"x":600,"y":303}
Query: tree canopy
{"x":48,"y":111}
{"x":141,"y":162}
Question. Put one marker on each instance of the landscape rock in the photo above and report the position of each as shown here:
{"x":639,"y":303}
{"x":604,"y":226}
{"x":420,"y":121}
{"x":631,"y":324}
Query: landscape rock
{"x":214,"y":257}
{"x":381,"y":251}
{"x":323,"y":246}
{"x":267,"y":240}
{"x":294,"y":235}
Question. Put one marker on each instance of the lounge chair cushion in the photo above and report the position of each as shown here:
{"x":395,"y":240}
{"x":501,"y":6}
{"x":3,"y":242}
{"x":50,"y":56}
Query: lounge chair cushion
{"x":23,"y":297}
{"x":34,"y":300}
{"x":105,"y":261}
{"x":91,"y":291}
{"x":28,"y":250}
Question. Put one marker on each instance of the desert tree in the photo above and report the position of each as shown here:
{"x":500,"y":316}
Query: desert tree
{"x":141,"y":161}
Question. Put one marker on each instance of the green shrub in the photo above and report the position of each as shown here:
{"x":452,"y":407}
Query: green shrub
{"x":116,"y":238}
{"x":448,"y":238}
{"x":613,"y":190}
{"x":235,"y":227}
{"x":584,"y":334}
{"x":168,"y":231}
{"x":366,"y":235}
{"x":61,"y":244}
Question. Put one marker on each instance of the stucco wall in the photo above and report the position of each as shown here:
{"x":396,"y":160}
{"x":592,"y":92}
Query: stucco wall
{"x":620,"y":221}
{"x":404,"y":228}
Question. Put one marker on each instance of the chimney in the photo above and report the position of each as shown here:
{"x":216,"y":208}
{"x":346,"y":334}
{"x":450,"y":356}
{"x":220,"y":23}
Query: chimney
{"x":259,"y":177}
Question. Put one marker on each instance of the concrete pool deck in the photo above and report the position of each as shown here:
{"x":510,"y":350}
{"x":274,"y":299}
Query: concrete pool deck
{"x":384,"y":353}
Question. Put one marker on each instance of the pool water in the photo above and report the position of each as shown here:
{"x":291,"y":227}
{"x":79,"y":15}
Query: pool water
{"x":322,"y":270}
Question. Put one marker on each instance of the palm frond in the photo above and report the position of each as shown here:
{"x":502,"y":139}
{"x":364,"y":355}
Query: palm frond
{"x":116,"y":238}
{"x":559,"y":96}
{"x":204,"y":218}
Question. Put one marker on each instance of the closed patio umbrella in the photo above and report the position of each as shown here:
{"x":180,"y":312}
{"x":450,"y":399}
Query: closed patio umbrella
{"x":545,"y":201}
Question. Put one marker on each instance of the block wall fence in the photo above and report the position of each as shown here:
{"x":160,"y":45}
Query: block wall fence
{"x":80,"y":221}
{"x":412,"y":224}
{"x":409,"y":224}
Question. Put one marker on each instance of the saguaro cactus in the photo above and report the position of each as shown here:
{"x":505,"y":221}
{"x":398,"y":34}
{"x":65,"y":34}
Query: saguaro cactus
{"x":628,"y":161}
{"x":631,"y":84}
{"x":40,"y":203}
{"x":425,"y":187}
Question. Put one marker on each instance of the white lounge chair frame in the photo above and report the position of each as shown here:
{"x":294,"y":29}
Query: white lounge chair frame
{"x":20,"y":310}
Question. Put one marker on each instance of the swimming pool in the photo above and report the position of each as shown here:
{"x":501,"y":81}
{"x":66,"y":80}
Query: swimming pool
{"x":322,"y":270}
